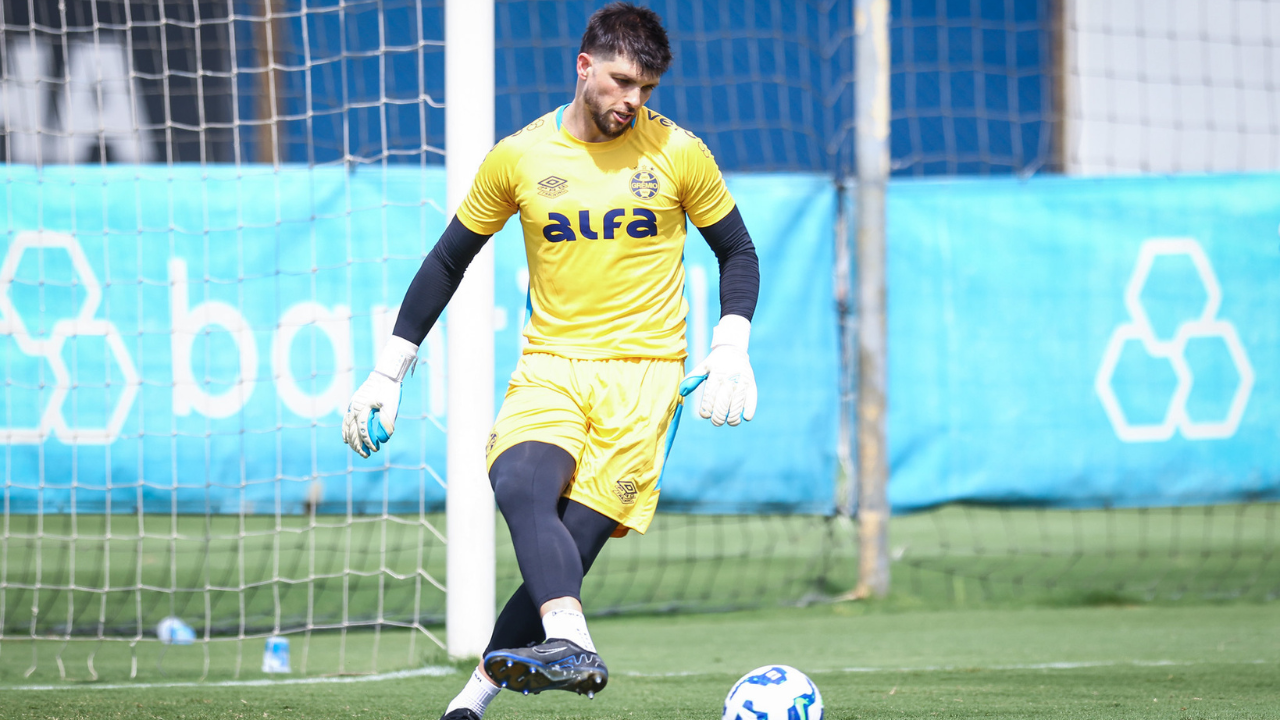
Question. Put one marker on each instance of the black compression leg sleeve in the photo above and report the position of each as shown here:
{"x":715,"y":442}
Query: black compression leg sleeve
{"x":589,"y":528}
{"x":527,"y":481}
{"x":520,"y":622}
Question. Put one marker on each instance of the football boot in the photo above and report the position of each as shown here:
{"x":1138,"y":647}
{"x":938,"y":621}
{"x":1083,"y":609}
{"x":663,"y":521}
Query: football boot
{"x":553,"y":665}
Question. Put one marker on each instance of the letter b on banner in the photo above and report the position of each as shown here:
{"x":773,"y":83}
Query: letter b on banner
{"x":189,"y":395}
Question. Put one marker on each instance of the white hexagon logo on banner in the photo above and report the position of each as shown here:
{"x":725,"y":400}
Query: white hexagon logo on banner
{"x":50,"y":348}
{"x":1205,"y":324}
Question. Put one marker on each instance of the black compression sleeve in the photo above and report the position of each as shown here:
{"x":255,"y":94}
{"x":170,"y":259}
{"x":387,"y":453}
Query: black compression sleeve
{"x":555,"y":544}
{"x":739,"y":266}
{"x":437,"y":280}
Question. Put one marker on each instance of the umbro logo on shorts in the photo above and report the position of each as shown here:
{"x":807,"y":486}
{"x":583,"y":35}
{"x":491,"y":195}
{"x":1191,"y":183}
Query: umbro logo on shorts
{"x":626,"y":491}
{"x":552,"y":186}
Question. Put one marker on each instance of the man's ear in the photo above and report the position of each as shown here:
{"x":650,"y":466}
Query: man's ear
{"x":584,"y":65}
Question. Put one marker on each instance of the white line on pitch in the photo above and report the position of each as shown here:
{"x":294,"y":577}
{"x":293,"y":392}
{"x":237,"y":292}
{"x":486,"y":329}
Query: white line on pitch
{"x":443,"y":670}
{"x":954,"y":668}
{"x":429,"y":671}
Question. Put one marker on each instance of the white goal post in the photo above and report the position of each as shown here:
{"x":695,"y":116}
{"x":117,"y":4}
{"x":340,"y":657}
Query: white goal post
{"x":469,"y":86}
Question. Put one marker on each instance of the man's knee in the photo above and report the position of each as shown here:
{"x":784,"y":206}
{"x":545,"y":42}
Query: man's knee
{"x":530,"y":473}
{"x":509,"y":488}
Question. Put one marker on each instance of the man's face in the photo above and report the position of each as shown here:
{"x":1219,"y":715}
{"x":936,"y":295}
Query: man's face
{"x":614,"y":90}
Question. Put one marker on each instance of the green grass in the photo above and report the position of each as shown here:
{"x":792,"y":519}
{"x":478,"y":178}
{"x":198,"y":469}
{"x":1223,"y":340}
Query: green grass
{"x":252,"y":574}
{"x":959,"y":554}
{"x":870,"y":660}
{"x":247,"y":573}
{"x":994,"y":613}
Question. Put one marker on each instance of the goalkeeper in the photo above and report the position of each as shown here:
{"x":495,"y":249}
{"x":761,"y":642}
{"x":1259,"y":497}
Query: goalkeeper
{"x":603,"y":187}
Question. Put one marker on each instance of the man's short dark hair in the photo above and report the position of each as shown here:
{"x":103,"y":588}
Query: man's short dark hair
{"x":621,"y":29}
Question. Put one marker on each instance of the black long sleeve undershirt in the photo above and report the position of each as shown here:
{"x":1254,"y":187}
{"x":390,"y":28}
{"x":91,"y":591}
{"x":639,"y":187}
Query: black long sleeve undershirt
{"x":437,"y":280}
{"x":444,"y":266}
{"x":739,"y":266}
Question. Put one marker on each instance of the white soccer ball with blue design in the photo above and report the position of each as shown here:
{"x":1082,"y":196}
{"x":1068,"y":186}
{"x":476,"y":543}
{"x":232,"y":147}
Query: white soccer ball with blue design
{"x":774,"y":692}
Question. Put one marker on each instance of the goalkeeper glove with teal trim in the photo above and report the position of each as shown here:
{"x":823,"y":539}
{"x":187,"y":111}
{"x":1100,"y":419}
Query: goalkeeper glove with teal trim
{"x":729,"y":394}
{"x":371,"y":414}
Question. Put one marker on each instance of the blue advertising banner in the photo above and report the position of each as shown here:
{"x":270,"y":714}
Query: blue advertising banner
{"x":1084,"y":342}
{"x":186,"y":338}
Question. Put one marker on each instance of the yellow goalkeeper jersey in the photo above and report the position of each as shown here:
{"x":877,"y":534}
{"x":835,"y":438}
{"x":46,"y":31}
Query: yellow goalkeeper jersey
{"x":604,"y":231}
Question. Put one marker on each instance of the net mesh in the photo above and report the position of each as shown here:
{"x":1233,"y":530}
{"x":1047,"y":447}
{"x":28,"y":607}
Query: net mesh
{"x":967,"y":554}
{"x":258,"y":96}
{"x":767,"y":84}
{"x":1171,"y":86}
{"x":973,"y":86}
{"x":242,"y":520}
{"x":1086,"y":87}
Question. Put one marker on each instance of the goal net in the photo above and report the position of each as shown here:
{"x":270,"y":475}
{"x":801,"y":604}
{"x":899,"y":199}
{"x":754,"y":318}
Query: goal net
{"x":214,"y":209}
{"x":1122,"y":393}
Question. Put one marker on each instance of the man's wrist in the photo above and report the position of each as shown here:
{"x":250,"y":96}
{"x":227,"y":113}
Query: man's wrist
{"x":733,"y":330}
{"x":396,"y":359}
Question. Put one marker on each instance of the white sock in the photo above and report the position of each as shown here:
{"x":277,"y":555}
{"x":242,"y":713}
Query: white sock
{"x":568,"y":625}
{"x":476,"y":694}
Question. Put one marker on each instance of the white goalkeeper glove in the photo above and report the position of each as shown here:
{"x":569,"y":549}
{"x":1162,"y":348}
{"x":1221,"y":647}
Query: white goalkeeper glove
{"x":729,"y":395}
{"x":371,"y":414}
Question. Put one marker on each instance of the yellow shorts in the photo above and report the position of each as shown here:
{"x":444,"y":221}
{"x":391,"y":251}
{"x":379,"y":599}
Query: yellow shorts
{"x":610,"y":415}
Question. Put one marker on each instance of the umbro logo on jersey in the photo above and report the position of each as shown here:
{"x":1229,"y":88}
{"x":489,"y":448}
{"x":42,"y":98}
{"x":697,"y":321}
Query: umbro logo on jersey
{"x":552,"y":186}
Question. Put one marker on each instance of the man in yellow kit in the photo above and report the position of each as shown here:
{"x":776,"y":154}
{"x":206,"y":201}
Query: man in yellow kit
{"x":602,"y":186}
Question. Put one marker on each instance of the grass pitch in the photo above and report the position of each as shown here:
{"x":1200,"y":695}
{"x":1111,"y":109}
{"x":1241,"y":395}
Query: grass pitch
{"x":1163,"y":613}
{"x":870,"y":660}
{"x":116,"y":576}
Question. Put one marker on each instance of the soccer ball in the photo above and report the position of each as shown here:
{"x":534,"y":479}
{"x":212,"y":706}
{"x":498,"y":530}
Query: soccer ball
{"x":773,"y":692}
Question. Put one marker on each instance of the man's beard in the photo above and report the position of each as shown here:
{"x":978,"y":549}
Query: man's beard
{"x":603,"y":118}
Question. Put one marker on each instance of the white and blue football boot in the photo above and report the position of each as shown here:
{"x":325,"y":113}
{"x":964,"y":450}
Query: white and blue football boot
{"x":553,"y":665}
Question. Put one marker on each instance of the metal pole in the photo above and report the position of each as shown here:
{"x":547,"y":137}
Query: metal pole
{"x":871,"y":28}
{"x":469,"y":80}
{"x":846,"y":308}
{"x":1067,"y":113}
{"x":269,"y":37}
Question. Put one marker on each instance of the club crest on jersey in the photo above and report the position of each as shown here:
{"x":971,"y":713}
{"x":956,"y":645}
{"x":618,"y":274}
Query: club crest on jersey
{"x":626,"y":491}
{"x":552,"y":186}
{"x":644,"y":184}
